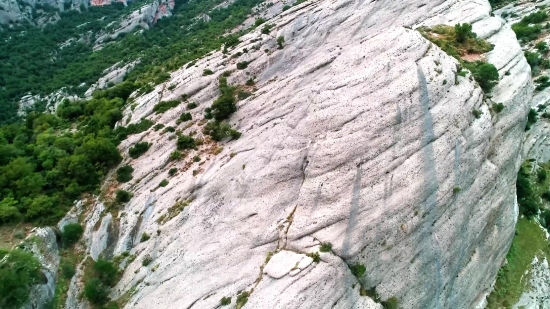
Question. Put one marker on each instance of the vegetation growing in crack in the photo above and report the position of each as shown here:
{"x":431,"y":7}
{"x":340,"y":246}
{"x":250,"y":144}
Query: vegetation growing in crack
{"x":173,"y":212}
{"x":220,"y":110}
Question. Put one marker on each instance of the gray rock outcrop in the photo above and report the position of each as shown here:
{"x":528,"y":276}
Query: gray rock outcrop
{"x":359,"y":133}
{"x":42,"y":242}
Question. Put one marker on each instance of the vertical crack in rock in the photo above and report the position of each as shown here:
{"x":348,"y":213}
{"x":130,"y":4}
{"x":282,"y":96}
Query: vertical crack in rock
{"x":431,"y":185}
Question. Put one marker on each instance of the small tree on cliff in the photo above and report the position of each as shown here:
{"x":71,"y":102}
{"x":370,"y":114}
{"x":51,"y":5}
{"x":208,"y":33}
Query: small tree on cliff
{"x":463,"y":32}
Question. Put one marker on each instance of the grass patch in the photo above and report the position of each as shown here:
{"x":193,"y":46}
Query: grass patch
{"x":446,"y":38}
{"x":530,"y":241}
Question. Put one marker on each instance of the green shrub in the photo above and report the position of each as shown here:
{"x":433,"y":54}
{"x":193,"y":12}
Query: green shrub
{"x":456,"y":190}
{"x":532,"y":116}
{"x":486,"y":75}
{"x":220,"y":130}
{"x":243,"y":94}
{"x":106,"y":271}
{"x":163,"y":106}
{"x":71,"y":233}
{"x":186,"y":142}
{"x":67,"y":270}
{"x":242,"y":298}
{"x":196,"y":159}
{"x":280,"y":42}
{"x":529,"y":204}
{"x":123,"y":196}
{"x":144,"y":237}
{"x":96,"y":292}
{"x":225,"y":301}
{"x":124,"y":174}
{"x":542,"y":82}
{"x":315,"y":256}
{"x":18,"y":271}
{"x":286,"y":7}
{"x":497,"y":107}
{"x":326,"y":247}
{"x":147,"y":260}
{"x":185,"y":117}
{"x":242,"y":65}
{"x":250,"y":82}
{"x":158,"y":127}
{"x":134,"y":128}
{"x":170,"y":129}
{"x":138,"y":149}
{"x":390,"y":303}
{"x":163,"y":183}
{"x":541,"y":175}
{"x":175,"y":155}
{"x":542,"y":47}
{"x":266,"y":29}
{"x":477,"y":113}
{"x":192,"y":105}
{"x":463,"y":32}
{"x":207,"y":72}
{"x":259,"y":21}
{"x":358,"y":270}
{"x":172,"y":171}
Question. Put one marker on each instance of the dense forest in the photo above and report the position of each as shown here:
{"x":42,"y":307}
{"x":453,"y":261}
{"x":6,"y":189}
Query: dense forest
{"x":33,"y":61}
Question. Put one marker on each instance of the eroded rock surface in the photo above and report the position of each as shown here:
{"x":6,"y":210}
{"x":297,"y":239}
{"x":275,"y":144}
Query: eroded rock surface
{"x":359,"y":133}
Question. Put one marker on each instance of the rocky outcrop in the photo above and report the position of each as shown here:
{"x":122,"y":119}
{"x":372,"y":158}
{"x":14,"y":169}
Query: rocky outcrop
{"x":113,"y":75}
{"x":538,"y":295}
{"x":144,"y":17}
{"x":359,"y":133}
{"x":42,"y":242}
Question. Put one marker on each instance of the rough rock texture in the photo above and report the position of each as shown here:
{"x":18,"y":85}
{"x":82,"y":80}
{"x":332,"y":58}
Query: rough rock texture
{"x":42,"y":242}
{"x":51,"y":101}
{"x":95,"y":241}
{"x":13,"y":11}
{"x":115,"y":74}
{"x":144,"y":17}
{"x":539,"y":295}
{"x":360,"y":133}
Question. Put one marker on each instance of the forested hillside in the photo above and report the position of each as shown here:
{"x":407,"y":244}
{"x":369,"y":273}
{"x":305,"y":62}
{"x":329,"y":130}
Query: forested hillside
{"x":41,"y":61}
{"x":44,"y":165}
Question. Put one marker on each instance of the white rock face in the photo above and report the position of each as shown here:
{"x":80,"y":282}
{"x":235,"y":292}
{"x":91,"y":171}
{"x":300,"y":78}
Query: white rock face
{"x":359,"y":134}
{"x":285,"y":262}
{"x":42,"y":242}
{"x":538,"y":295}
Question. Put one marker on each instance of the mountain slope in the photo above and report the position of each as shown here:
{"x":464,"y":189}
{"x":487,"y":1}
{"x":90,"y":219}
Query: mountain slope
{"x":360,"y":134}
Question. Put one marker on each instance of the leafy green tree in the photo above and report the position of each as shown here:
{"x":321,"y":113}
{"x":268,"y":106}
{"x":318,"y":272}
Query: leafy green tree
{"x":18,"y":270}
{"x":486,"y":75}
{"x":8,"y":210}
{"x":72,"y":233}
{"x":123,"y":196}
{"x":106,"y":271}
{"x":464,"y":32}
{"x":96,"y":292}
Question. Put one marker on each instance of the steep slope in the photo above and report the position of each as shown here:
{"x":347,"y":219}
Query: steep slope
{"x":360,"y":134}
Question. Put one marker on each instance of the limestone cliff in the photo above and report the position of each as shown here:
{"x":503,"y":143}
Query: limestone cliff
{"x":359,"y":133}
